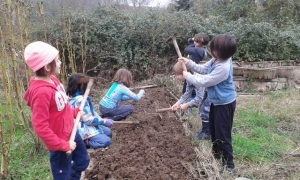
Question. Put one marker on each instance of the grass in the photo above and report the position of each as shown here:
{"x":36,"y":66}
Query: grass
{"x":257,"y":139}
{"x":265,"y":134}
{"x":25,"y":163}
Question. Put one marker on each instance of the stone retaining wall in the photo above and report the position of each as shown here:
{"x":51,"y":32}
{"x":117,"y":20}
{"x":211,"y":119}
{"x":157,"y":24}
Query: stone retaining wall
{"x":266,"y":76}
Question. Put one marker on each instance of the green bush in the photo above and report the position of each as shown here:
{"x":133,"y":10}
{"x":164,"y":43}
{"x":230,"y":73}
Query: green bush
{"x":112,"y":37}
{"x":116,"y":39}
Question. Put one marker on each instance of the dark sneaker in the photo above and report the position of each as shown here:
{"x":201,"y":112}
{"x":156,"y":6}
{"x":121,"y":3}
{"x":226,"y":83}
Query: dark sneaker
{"x":203,"y":135}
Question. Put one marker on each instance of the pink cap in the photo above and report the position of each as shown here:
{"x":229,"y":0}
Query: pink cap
{"x":38,"y":54}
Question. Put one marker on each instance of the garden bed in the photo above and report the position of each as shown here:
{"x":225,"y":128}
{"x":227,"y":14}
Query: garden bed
{"x":156,"y":148}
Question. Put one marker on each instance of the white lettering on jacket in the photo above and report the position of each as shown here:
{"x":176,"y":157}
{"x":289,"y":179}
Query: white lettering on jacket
{"x":61,"y":98}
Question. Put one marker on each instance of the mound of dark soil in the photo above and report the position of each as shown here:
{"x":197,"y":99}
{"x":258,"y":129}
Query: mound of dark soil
{"x":153,"y":149}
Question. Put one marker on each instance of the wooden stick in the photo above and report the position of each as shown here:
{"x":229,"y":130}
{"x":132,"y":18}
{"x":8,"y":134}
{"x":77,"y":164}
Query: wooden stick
{"x":126,"y":122}
{"x":143,"y":87}
{"x":75,"y":127}
{"x":163,"y":110}
{"x":178,"y":51}
{"x":173,"y":95}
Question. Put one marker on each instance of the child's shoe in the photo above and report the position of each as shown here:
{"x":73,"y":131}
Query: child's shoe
{"x":204,"y":133}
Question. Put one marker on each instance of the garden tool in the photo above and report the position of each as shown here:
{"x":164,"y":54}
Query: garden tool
{"x":126,"y":122}
{"x":173,"y":38}
{"x":163,"y":110}
{"x":143,"y":87}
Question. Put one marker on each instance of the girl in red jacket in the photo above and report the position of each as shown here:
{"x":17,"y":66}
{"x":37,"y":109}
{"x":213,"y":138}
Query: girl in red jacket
{"x":52,"y":116}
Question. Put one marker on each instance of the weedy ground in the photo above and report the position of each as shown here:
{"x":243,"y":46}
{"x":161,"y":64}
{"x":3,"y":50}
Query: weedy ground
{"x":266,"y":139}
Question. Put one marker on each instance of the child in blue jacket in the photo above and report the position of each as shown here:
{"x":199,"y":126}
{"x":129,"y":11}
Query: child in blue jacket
{"x":119,"y":91}
{"x":92,"y":128}
{"x":221,"y":93}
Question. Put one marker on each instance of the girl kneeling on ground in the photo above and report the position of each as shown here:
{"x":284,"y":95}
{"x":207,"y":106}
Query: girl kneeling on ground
{"x":92,"y":128}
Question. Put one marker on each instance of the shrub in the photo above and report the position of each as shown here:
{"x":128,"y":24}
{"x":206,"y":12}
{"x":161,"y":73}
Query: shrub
{"x":112,"y":37}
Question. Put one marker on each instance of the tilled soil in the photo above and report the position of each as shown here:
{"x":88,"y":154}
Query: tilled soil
{"x":155,"y":148}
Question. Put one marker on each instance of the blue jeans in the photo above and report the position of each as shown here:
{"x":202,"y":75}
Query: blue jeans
{"x":204,"y":108}
{"x":61,"y":166}
{"x":101,"y":140}
{"x":117,"y":113}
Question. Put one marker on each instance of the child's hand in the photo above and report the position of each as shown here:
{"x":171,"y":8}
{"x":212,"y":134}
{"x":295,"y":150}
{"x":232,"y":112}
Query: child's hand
{"x":175,"y":106}
{"x":81,"y":113}
{"x":72,"y":145}
{"x":142,"y":91}
{"x":184,"y":106}
{"x":108,"y":122}
{"x":183,"y":60}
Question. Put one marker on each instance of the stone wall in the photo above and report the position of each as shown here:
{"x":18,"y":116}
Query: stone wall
{"x":266,"y":76}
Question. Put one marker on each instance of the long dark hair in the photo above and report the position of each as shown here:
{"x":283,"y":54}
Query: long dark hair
{"x":75,"y":86}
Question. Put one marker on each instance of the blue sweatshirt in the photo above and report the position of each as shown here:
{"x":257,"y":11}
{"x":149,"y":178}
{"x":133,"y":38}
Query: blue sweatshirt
{"x":218,"y":80}
{"x":90,"y":121}
{"x":118,"y":92}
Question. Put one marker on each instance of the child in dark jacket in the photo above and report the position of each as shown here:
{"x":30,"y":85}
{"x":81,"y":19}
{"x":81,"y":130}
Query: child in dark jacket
{"x":52,"y":117}
{"x":119,"y":91}
{"x":221,"y":93}
{"x":196,"y":47}
{"x":92,"y":128}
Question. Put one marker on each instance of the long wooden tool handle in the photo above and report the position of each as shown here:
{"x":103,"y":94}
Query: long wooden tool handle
{"x":176,"y":47}
{"x":74,"y":130}
{"x":178,"y":52}
{"x":163,"y":110}
{"x":143,"y":87}
{"x":125,"y":122}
